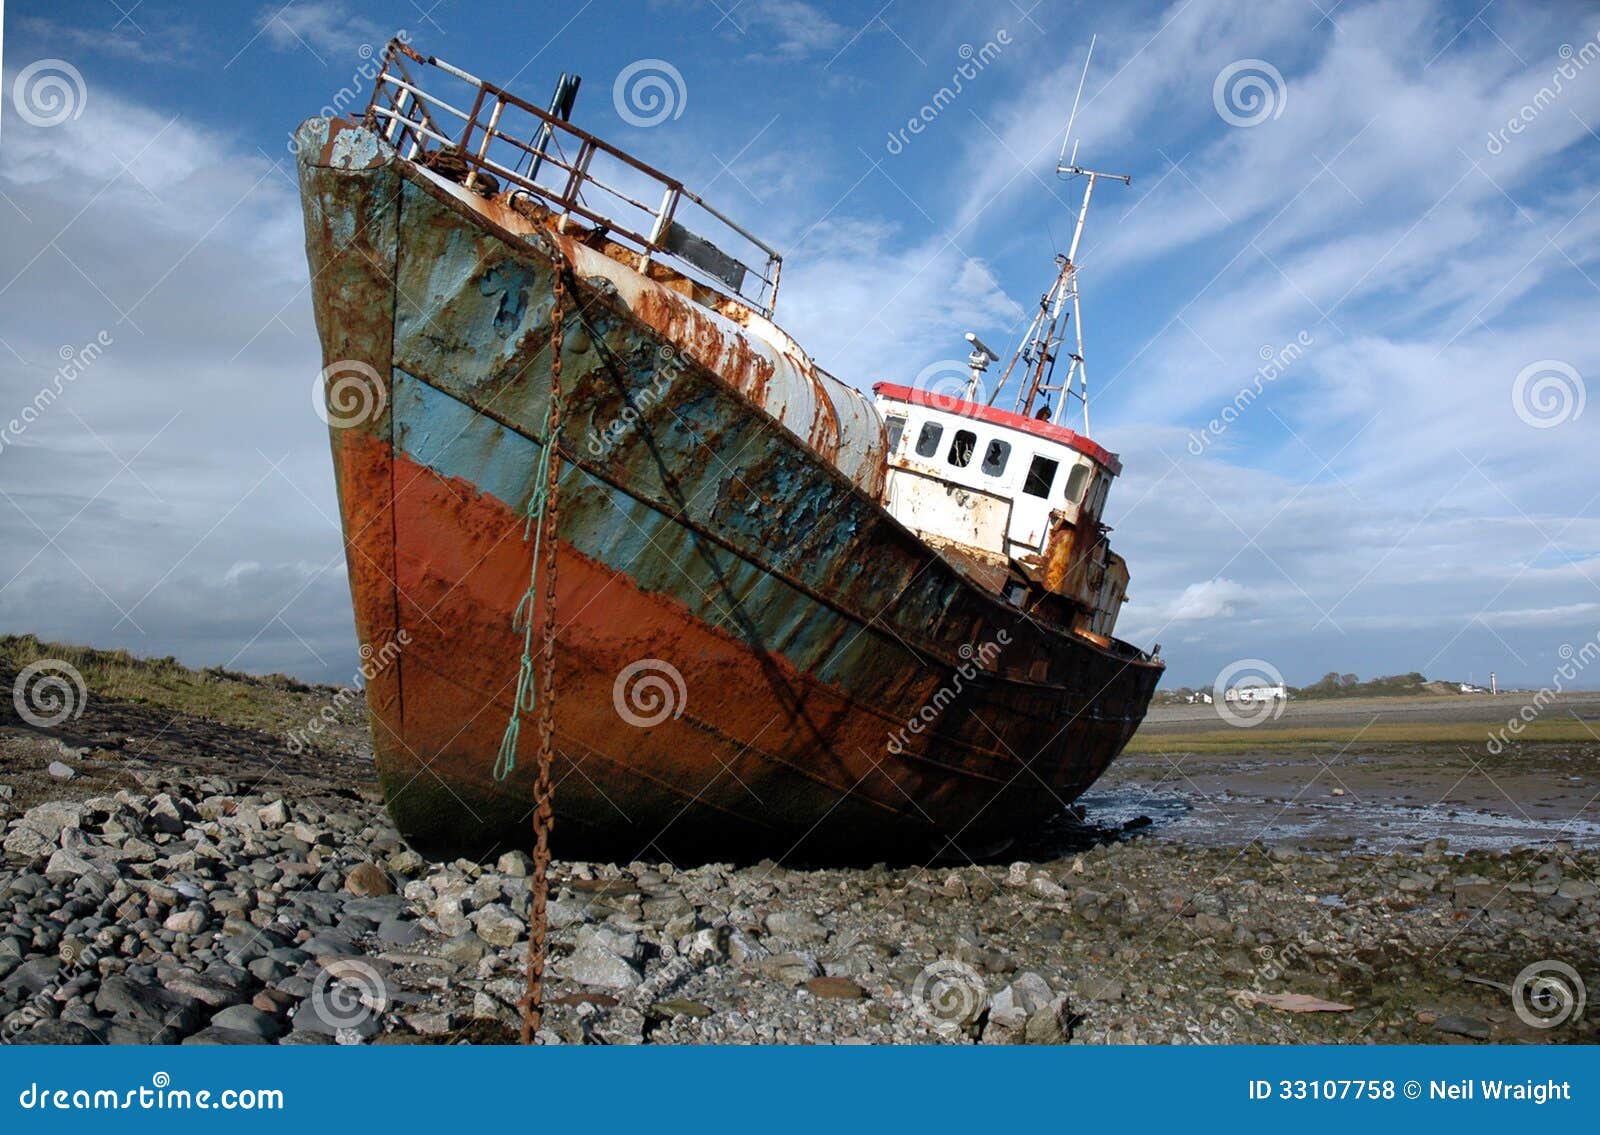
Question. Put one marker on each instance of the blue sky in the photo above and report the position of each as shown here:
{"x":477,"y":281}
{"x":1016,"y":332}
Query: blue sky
{"x":1413,"y":489}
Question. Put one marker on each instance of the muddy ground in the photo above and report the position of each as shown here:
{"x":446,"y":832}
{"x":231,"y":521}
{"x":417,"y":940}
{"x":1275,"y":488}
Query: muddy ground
{"x":1380,"y":795}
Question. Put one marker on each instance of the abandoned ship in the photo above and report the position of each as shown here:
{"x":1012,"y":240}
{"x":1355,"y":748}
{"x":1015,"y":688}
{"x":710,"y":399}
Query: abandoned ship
{"x":792,"y":620}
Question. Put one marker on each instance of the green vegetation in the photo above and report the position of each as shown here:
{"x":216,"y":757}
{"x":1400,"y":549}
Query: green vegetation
{"x":1231,"y":739}
{"x":1333,"y":685}
{"x":275,"y":703}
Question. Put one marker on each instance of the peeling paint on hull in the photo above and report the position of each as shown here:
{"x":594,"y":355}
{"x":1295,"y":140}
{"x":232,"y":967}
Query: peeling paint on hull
{"x":809,"y":628}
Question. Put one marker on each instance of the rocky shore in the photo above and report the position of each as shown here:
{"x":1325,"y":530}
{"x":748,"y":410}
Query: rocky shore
{"x":160,"y":906}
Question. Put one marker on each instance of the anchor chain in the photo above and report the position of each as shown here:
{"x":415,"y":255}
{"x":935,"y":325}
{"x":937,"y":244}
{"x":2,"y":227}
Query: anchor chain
{"x":542,"y":517}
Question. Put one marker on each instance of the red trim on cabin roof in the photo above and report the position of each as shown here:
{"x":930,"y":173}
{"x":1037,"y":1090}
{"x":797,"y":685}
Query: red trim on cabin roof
{"x":1035,"y":426}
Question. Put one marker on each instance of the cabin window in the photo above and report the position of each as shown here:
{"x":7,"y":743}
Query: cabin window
{"x":1097,"y":494}
{"x":961,"y":447}
{"x":897,"y":426}
{"x":1075,"y":482}
{"x":928,"y":439}
{"x":1041,"y":475}
{"x":995,"y":458}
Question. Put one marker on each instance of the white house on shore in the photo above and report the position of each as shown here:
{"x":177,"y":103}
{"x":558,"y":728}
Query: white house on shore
{"x":1257,"y":693}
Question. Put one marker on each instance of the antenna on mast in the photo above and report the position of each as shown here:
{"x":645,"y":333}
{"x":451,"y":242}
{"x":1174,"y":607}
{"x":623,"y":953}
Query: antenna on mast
{"x":1073,"y":117}
{"x":1042,"y":342}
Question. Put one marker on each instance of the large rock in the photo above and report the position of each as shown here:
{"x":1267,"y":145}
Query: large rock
{"x":464,"y":949}
{"x":515,"y":864}
{"x":791,"y":968}
{"x":29,"y":844}
{"x":316,"y":1016}
{"x":216,"y":1034}
{"x":598,"y":968}
{"x":1049,"y":1025}
{"x":1030,"y":992}
{"x":55,"y":1032}
{"x":1474,"y":892}
{"x":796,"y":926}
{"x":497,"y":926}
{"x":207,"y":988}
{"x":839,"y":988}
{"x":623,"y":943}
{"x":142,"y":1004}
{"x":190,"y":921}
{"x":70,"y":864}
{"x":248,"y":1019}
{"x":397,"y":931}
{"x":368,"y":879}
{"x":1463,"y":1026}
{"x":53,"y":815}
{"x":450,"y":915}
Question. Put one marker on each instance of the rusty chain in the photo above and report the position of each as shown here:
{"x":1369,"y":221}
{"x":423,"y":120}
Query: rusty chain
{"x":543,"y":813}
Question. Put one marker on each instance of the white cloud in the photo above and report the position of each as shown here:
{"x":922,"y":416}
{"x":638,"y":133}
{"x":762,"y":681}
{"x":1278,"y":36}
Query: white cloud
{"x":326,"y":28}
{"x":176,"y":496}
{"x":1209,"y":599}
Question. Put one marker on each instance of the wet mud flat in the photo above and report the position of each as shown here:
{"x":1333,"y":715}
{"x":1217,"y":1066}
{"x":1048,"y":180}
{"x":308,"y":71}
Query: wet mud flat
{"x":1367,"y":773}
{"x":195,"y":881}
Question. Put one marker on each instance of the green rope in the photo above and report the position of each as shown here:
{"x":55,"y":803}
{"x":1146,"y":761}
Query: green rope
{"x":522,"y":619}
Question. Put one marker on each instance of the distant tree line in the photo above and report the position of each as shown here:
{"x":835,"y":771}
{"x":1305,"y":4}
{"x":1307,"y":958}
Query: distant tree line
{"x":1330,"y":685}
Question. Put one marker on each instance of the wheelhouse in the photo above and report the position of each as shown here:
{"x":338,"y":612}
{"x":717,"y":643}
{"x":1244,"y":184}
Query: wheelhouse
{"x":1016,"y":501}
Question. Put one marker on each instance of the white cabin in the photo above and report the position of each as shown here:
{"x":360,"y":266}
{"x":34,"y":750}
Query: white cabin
{"x":1014,"y":501}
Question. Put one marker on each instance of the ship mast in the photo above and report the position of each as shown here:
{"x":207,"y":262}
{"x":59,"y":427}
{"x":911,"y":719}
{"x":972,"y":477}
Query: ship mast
{"x":1041,"y":344}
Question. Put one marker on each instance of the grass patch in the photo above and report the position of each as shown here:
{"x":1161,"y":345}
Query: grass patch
{"x":1228,"y":739}
{"x":275,"y":703}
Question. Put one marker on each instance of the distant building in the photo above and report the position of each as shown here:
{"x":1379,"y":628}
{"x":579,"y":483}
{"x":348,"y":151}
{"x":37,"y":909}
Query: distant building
{"x":1469,"y":688}
{"x":1200,"y":696}
{"x":1257,"y":694}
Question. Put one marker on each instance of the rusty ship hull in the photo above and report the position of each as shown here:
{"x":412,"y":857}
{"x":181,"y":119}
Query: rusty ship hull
{"x":801,"y":627}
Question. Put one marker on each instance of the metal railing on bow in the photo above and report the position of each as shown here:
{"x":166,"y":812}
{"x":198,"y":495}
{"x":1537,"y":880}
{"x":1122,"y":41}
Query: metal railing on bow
{"x":574,"y":174}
